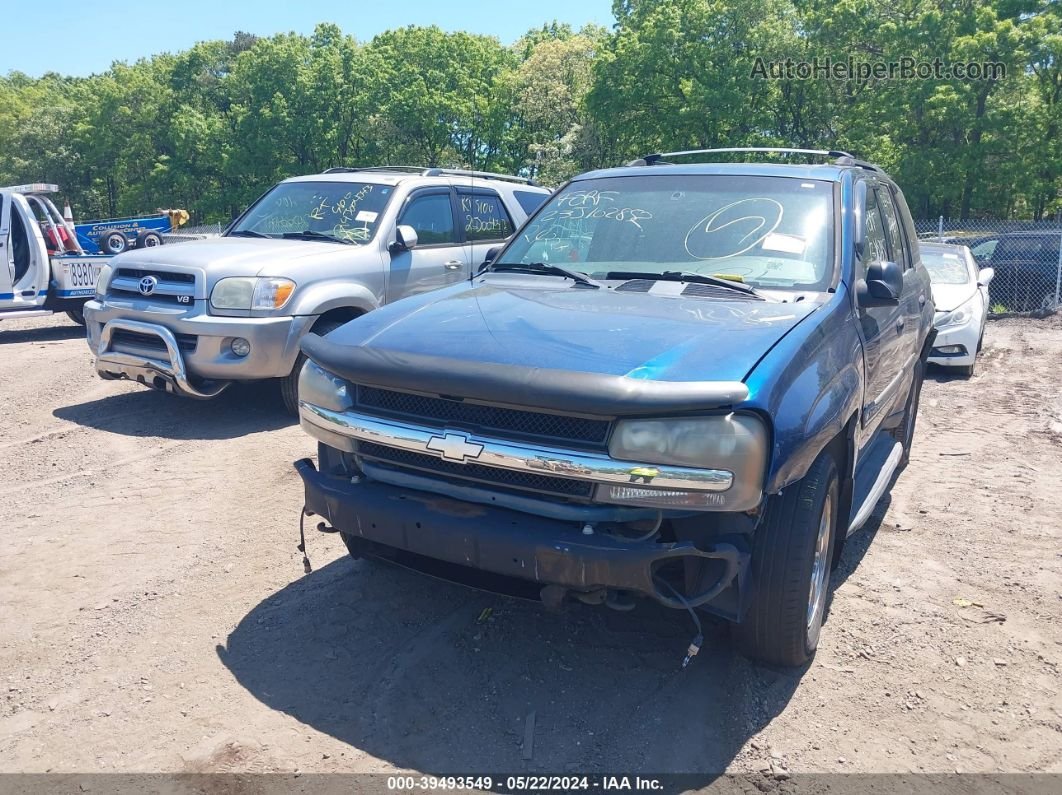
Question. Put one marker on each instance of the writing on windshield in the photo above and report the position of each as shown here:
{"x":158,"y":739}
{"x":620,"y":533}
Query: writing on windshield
{"x":342,"y":210}
{"x":773,"y":232}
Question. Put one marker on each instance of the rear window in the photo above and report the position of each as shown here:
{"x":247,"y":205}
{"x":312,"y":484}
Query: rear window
{"x":529,"y":200}
{"x":1033,"y":249}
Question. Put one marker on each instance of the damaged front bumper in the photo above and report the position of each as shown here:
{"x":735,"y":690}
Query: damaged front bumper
{"x":512,"y":544}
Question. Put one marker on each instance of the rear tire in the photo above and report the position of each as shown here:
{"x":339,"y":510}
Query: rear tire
{"x":148,"y":239}
{"x":289,"y":384}
{"x":792,"y":553}
{"x":113,"y":242}
{"x":904,"y":432}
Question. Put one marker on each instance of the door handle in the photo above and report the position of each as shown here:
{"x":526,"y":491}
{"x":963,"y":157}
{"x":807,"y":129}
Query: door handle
{"x":453,"y":264}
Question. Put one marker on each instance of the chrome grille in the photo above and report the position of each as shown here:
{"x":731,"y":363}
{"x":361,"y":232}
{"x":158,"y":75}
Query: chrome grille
{"x":506,"y":478}
{"x":495,"y":420}
{"x":171,"y":287}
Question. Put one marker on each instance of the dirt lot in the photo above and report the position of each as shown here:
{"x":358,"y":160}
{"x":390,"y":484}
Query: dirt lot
{"x":154,"y":615}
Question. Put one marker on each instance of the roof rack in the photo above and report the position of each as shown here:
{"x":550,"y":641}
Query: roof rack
{"x":432,"y":172}
{"x":840,"y":157}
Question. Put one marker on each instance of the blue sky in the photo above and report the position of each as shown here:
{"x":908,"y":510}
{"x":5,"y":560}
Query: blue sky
{"x":82,"y":37}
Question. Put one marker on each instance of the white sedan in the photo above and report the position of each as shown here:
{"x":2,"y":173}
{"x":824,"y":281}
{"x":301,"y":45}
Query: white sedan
{"x":960,"y":292}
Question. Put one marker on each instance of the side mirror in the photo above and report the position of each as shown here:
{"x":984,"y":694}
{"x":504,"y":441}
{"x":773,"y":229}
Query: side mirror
{"x":491,"y":255}
{"x":985,"y":276}
{"x":883,"y":285}
{"x":405,"y":239}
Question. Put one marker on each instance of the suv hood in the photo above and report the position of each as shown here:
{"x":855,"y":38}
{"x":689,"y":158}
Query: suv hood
{"x":503,"y":329}
{"x":239,"y":256}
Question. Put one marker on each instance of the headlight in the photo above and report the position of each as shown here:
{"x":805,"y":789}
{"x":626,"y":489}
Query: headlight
{"x":321,"y":388}
{"x":102,"y":281}
{"x":736,"y":443}
{"x":704,"y":442}
{"x":272,"y":293}
{"x":244,"y":293}
{"x":956,"y":317}
{"x":233,"y":293}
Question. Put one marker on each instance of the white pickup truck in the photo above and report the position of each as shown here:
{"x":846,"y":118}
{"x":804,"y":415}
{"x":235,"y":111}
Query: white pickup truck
{"x":42,"y":267}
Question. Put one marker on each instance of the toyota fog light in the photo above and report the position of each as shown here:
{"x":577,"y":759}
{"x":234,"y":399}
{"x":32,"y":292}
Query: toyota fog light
{"x":240,"y":347}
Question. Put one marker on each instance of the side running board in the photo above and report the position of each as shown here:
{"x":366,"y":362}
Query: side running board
{"x":878,"y":489}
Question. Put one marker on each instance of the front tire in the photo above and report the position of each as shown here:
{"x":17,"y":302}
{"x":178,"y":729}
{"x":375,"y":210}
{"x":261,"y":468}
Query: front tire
{"x":289,"y":384}
{"x":77,"y":315}
{"x":791,"y":557}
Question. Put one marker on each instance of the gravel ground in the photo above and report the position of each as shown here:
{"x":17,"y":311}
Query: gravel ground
{"x":154,"y":615}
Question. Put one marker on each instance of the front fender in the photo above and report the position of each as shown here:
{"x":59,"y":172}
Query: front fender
{"x":809,"y":384}
{"x":316,"y":299}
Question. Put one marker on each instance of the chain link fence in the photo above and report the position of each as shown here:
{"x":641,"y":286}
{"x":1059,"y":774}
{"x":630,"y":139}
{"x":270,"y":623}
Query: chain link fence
{"x":1026,"y":257}
{"x":186,"y":233}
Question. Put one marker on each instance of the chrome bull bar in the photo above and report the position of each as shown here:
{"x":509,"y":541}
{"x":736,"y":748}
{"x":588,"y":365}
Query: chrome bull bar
{"x":149,"y":370}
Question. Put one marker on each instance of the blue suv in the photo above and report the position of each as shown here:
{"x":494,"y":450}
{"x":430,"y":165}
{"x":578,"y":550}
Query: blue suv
{"x":688,"y":382}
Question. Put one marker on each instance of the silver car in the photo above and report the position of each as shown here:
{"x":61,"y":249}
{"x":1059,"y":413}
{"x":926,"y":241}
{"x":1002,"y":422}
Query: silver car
{"x":312,"y":253}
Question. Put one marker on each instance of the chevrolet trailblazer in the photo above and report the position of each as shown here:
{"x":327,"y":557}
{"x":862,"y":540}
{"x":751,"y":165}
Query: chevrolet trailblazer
{"x":683,"y":382}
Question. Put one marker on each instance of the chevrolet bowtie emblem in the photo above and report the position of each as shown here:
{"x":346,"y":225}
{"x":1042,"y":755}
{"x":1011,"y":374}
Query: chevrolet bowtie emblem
{"x":454,"y":447}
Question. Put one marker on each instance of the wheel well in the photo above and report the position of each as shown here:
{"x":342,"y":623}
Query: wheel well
{"x":339,"y":315}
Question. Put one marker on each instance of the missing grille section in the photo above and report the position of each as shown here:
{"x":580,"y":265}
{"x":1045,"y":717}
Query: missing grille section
{"x":636,"y":286}
{"x":475,"y":417}
{"x":507,"y":478}
{"x":711,"y":291}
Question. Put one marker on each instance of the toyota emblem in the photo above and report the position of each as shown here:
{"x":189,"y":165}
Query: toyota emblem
{"x":147,"y":285}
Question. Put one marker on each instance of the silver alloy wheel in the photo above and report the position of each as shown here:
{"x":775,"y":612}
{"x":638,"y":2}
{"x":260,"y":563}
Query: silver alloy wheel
{"x":820,"y":569}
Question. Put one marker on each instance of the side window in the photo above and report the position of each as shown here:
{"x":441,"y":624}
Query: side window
{"x":20,"y":245}
{"x":432,"y":215}
{"x":528,"y":200}
{"x":892,"y":228}
{"x":875,"y":249}
{"x":484,"y":216}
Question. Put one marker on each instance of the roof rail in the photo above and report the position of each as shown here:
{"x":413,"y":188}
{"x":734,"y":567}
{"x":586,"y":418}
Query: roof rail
{"x":849,"y":160}
{"x":464,"y":172}
{"x":351,"y":169}
{"x":431,"y":172}
{"x":840,"y":157}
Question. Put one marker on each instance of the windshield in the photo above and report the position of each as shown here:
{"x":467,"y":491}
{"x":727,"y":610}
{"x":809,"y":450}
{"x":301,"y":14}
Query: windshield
{"x":946,"y":267}
{"x":771,"y":232}
{"x":346,"y":211}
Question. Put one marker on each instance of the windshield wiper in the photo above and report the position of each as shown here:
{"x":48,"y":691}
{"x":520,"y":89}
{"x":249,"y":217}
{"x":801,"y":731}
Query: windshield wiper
{"x":685,"y":276}
{"x":247,"y":233}
{"x":546,"y":268}
{"x":310,"y":234}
